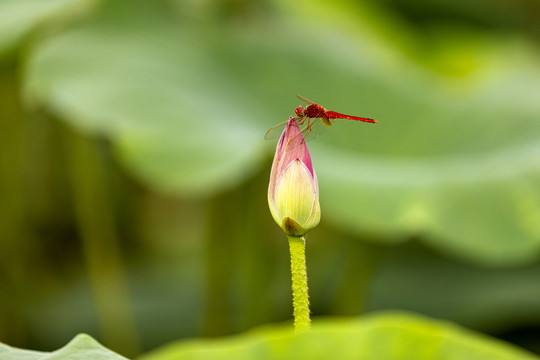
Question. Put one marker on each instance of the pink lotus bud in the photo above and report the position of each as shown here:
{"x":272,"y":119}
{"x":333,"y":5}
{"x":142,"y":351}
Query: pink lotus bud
{"x":293,"y":193}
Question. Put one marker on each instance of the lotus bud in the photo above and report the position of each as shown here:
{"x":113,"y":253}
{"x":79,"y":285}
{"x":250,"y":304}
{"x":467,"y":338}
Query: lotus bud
{"x":293,"y":193}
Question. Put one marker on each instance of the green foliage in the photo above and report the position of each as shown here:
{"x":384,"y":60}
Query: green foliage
{"x":384,"y":336}
{"x":491,"y":300}
{"x":19,"y":17}
{"x":82,"y":347}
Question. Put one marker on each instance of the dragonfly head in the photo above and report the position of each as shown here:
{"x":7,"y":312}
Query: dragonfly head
{"x":299,"y":111}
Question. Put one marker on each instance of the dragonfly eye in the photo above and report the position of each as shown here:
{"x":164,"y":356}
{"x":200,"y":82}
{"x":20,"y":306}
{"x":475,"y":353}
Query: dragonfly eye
{"x":299,"y":111}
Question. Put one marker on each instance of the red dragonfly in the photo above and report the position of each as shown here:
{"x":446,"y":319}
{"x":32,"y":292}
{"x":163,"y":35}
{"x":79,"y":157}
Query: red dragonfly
{"x":311,"y":115}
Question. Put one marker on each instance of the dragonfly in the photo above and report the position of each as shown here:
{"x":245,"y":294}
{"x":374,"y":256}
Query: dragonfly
{"x":311,"y":116}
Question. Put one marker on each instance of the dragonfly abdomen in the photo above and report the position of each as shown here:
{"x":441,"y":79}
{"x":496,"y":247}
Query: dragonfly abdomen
{"x":335,"y":115}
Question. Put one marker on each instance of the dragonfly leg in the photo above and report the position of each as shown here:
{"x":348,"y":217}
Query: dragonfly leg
{"x":300,"y":120}
{"x":308,"y":129}
{"x":301,"y":134}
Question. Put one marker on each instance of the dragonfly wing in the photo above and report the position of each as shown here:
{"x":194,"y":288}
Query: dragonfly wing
{"x":314,"y":129}
{"x":275,"y":132}
{"x":304,"y":99}
{"x":311,"y":129}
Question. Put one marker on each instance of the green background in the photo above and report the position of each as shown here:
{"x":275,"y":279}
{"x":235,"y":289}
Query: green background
{"x":134,"y":173}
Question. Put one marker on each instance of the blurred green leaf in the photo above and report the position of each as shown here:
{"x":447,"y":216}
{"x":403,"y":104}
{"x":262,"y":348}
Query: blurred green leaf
{"x":382,"y":336}
{"x":128,"y":74}
{"x":9,"y":353}
{"x":414,"y":279}
{"x":186,"y":103}
{"x":519,"y":15}
{"x":19,"y":17}
{"x":82,"y":347}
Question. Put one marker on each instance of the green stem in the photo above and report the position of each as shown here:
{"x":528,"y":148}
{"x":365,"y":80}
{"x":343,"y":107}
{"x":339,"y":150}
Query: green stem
{"x":297,"y":246}
{"x":217,"y":253}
